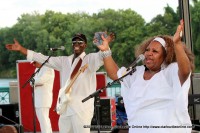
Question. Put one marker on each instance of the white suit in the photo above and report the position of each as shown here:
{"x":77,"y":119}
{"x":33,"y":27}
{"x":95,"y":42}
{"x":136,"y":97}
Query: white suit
{"x":43,"y":97}
{"x":78,"y":114}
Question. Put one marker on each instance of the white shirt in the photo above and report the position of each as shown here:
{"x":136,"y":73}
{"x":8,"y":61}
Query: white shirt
{"x":160,"y":101}
{"x":84,"y":85}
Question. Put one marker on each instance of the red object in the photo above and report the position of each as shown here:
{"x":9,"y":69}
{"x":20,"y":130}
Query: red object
{"x":78,"y":65}
{"x":113,"y":112}
{"x":101,"y":79}
{"x":24,"y":72}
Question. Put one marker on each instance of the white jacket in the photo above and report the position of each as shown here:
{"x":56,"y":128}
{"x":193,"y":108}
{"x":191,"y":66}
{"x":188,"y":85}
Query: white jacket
{"x":44,"y":81}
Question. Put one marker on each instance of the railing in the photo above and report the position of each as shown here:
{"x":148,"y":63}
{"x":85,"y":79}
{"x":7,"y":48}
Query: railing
{"x":114,"y":90}
{"x":4,"y":95}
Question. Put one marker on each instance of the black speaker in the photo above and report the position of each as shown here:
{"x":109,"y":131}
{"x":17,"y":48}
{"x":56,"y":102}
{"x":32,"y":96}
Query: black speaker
{"x":107,"y":112}
{"x":196,"y":125}
{"x":9,"y":114}
{"x":116,"y":130}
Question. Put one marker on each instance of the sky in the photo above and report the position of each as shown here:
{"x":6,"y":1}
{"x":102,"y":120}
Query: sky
{"x":10,"y":10}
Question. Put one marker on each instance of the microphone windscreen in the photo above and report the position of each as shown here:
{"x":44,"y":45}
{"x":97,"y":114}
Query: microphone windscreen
{"x":62,"y":47}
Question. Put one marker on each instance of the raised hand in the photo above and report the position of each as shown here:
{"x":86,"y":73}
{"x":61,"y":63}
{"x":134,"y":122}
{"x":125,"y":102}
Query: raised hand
{"x":106,"y":41}
{"x":179,"y":32}
{"x":14,"y":47}
{"x":111,"y":37}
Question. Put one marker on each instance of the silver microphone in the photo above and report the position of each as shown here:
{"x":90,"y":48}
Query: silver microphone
{"x":55,"y":49}
{"x":139,"y":58}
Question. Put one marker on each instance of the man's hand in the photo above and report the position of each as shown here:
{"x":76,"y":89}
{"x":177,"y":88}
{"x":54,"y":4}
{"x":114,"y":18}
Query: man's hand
{"x":111,"y":37}
{"x":14,"y":47}
{"x":106,"y":42}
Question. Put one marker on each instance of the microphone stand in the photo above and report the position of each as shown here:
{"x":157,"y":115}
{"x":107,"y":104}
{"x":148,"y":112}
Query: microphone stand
{"x":32,"y":80}
{"x":97,"y":106}
{"x":97,"y":97}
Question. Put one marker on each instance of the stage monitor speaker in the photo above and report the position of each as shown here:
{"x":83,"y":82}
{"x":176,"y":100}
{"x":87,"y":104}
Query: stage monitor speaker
{"x":107,"y":112}
{"x":9,"y":119}
{"x":9,"y":114}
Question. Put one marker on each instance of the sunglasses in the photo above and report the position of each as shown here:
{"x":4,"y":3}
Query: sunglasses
{"x":77,"y":42}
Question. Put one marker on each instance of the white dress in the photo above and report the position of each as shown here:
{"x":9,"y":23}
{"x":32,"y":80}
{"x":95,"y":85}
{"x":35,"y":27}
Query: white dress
{"x":158,"y":105}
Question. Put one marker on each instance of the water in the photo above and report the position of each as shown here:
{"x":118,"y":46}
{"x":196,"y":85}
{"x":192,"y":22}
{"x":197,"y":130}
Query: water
{"x":5,"y":82}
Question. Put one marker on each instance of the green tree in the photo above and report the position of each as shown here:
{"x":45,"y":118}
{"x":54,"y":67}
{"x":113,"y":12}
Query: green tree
{"x":165,"y":24}
{"x":195,"y":19}
{"x":53,"y":29}
{"x":127,"y":25}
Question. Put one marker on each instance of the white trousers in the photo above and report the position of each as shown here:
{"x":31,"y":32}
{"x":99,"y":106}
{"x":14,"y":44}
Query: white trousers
{"x":75,"y":123}
{"x":43,"y":118}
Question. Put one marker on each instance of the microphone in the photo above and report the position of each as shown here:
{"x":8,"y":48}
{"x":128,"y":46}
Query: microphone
{"x":55,"y":49}
{"x":139,"y":58}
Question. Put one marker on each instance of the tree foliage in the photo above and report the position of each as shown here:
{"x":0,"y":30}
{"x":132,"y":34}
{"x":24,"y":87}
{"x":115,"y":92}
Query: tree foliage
{"x":195,"y":11}
{"x":39,"y":32}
